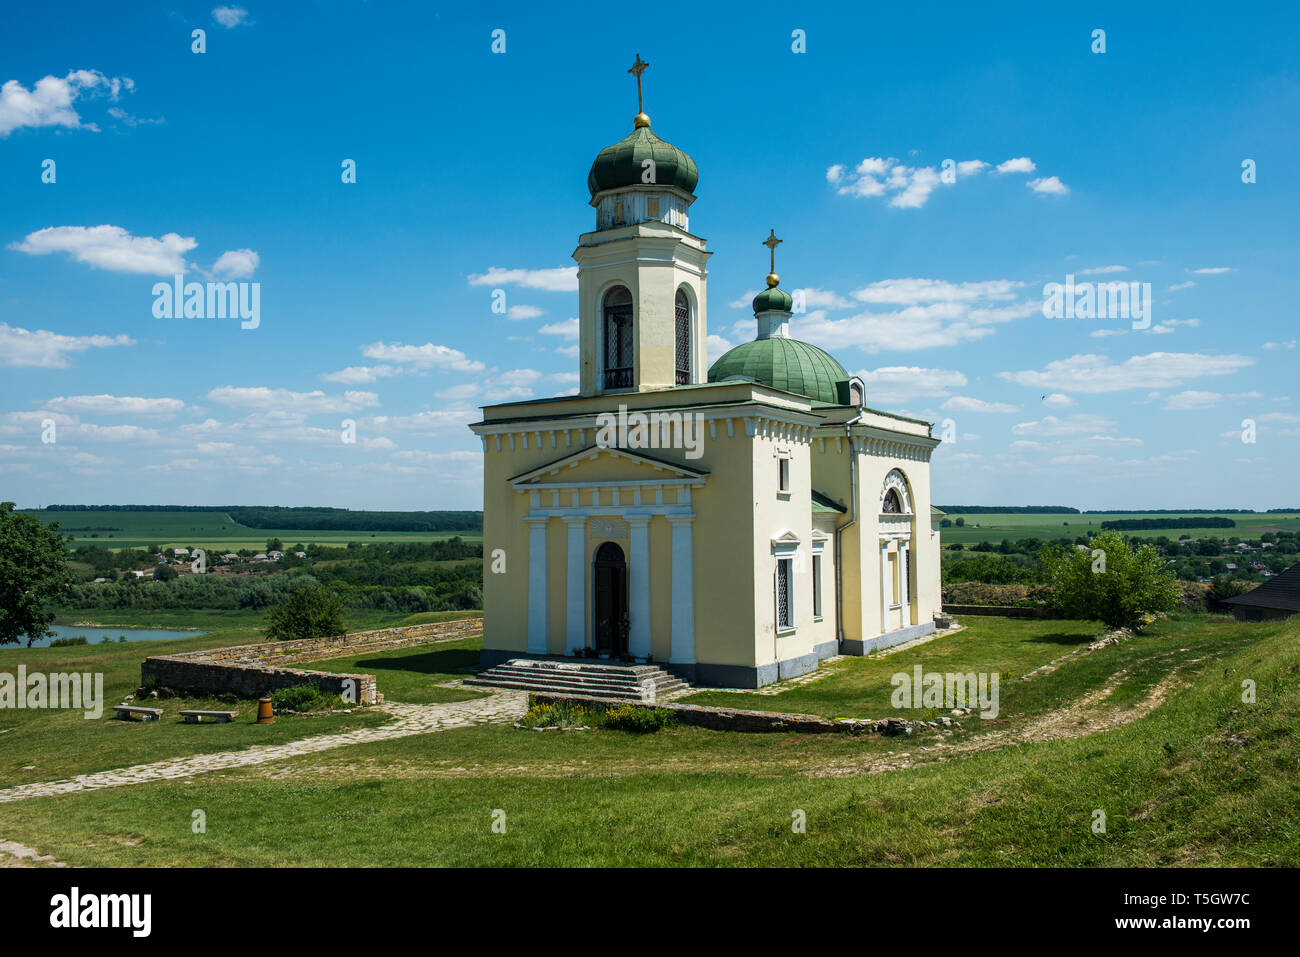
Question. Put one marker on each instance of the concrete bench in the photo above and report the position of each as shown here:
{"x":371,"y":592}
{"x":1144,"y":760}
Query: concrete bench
{"x":124,"y":711}
{"x":193,"y":716}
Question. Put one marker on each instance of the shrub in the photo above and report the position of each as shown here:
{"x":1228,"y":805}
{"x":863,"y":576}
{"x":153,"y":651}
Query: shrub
{"x":312,"y":611}
{"x":1121,"y":587}
{"x":561,"y":714}
{"x":303,"y":697}
{"x":638,"y":720}
{"x":69,"y":642}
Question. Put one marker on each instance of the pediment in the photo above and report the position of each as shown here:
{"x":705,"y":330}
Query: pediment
{"x":598,"y":464}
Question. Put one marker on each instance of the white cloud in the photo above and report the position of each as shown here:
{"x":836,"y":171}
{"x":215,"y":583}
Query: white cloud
{"x":892,"y":386}
{"x":357,"y":375}
{"x":523,"y":312}
{"x":910,"y":186}
{"x":559,"y":279}
{"x":230,"y":17}
{"x":1050,"y":185}
{"x":1050,"y":426}
{"x":50,"y":101}
{"x":1182,"y":285}
{"x":236,"y":264}
{"x":1287,"y":344}
{"x":48,"y":350}
{"x":1102,"y":270}
{"x":426,"y":356}
{"x":1021,"y":164}
{"x":114,"y":405}
{"x":963,"y":403}
{"x":1096,"y":374}
{"x":263,"y":399}
{"x":1212,"y":270}
{"x":1058,"y":400}
{"x":114,"y":433}
{"x":912,"y":291}
{"x":568,"y":328}
{"x":814,"y":299}
{"x":1191,"y":399}
{"x":111,"y":247}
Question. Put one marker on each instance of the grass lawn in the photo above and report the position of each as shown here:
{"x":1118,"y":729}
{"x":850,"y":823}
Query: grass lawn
{"x":995,"y":526}
{"x":1151,"y":731}
{"x":411,"y":674}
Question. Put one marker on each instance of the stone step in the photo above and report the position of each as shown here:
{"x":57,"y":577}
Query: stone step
{"x":536,"y":686}
{"x":583,"y":685}
{"x":583,"y":666}
{"x":657,"y":680}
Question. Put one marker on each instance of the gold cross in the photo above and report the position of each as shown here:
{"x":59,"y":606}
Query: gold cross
{"x":637,"y":69}
{"x":771,"y":243}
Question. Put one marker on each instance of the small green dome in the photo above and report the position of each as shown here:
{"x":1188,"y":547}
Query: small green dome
{"x":619,"y":165}
{"x":783,"y":364}
{"x":773,"y":297}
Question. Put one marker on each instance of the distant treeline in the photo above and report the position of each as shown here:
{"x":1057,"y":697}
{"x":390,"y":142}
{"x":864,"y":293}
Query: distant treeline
{"x":1135,"y":524}
{"x":1008,"y":509}
{"x":1167,"y":511}
{"x":312,"y":519}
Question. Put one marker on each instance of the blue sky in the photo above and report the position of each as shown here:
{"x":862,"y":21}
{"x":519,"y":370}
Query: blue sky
{"x":376,"y":295}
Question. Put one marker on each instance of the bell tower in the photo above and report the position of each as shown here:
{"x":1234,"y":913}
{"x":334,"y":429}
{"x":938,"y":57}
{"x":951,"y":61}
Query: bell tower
{"x":641,"y":272}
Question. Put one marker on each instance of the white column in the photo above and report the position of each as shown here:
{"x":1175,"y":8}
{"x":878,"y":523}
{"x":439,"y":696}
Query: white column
{"x":683,"y":650}
{"x":537,"y":586}
{"x":575,"y":610}
{"x":885,"y":591}
{"x":903,"y":584}
{"x":638,"y":586}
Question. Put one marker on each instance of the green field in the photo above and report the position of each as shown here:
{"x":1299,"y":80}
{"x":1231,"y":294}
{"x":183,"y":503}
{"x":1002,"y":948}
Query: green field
{"x":1153,"y":731}
{"x":212,"y":531}
{"x":995,"y":526}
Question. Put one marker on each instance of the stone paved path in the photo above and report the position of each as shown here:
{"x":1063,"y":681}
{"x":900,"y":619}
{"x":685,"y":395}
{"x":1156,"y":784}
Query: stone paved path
{"x":411,"y":719}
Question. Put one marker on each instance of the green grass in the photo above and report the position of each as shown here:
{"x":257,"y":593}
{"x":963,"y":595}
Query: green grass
{"x":995,"y":526}
{"x":214,"y":531}
{"x":1201,"y":779}
{"x":411,"y":674}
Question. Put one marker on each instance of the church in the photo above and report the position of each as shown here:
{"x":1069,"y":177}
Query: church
{"x":733,"y":523}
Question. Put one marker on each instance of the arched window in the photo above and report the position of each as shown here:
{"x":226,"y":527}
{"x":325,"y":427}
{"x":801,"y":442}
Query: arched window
{"x":618,"y":338}
{"x":683,"y":338}
{"x":892,"y":504}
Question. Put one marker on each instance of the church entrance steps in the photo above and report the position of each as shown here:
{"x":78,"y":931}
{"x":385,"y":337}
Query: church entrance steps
{"x":624,"y":682}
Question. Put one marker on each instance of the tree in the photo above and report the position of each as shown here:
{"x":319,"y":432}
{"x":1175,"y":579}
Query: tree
{"x":961,"y":523}
{"x":34,"y":575}
{"x":311,"y":611}
{"x":274,"y":545}
{"x":1112,"y":582}
{"x":164,"y":573}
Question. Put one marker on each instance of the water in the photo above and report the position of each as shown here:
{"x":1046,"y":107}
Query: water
{"x":94,"y":636}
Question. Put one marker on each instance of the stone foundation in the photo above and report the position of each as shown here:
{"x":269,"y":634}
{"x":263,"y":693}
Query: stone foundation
{"x":252,"y":671}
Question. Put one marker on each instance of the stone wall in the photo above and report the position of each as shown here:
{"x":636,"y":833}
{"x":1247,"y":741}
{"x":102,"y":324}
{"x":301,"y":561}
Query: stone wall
{"x":252,"y":671}
{"x":1002,"y":611}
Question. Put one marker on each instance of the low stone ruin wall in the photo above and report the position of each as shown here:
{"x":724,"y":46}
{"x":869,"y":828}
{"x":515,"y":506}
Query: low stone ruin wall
{"x":251,"y":671}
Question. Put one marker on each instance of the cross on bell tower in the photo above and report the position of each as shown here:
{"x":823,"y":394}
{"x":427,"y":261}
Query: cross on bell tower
{"x":637,"y":69}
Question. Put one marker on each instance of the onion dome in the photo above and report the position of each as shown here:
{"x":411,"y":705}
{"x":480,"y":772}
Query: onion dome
{"x":622,"y":164}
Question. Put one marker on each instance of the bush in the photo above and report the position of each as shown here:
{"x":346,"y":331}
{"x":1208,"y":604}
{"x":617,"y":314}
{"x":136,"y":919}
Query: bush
{"x":1121,"y":587}
{"x":561,"y":714}
{"x":638,"y":720}
{"x":304,"y":697}
{"x":312,"y":611}
{"x":983,"y":593}
{"x":69,"y":642}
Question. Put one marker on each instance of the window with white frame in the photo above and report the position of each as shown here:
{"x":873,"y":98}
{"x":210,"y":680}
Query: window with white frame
{"x":784,"y":594}
{"x":817,"y":585}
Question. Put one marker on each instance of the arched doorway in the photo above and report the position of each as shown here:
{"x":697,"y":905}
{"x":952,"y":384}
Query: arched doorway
{"x":609,"y":631}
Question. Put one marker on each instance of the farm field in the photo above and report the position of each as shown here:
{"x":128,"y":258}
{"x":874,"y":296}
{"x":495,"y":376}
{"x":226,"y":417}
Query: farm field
{"x":995,"y":526}
{"x":213,"y":531}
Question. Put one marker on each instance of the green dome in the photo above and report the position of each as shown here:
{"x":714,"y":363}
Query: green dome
{"x":784,"y":364}
{"x":773,"y":297}
{"x":620,"y":164}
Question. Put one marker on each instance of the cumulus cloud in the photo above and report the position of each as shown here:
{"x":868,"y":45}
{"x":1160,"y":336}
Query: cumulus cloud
{"x":1051,"y":426}
{"x":1102,"y":270}
{"x":427,"y":356}
{"x":910,"y":187}
{"x":568,"y":328}
{"x":523,"y":312}
{"x":1049,"y":185}
{"x":236,"y":264}
{"x":263,"y":399}
{"x":112,"y":248}
{"x":50,"y":101}
{"x":964,"y":403}
{"x":48,"y":350}
{"x":892,"y":386}
{"x":114,"y":405}
{"x":1192,"y":399}
{"x":230,"y":17}
{"x":1097,"y":374}
{"x":1057,"y":400}
{"x":1212,"y":270}
{"x":1021,"y":164}
{"x":559,"y":279}
{"x":358,"y":375}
